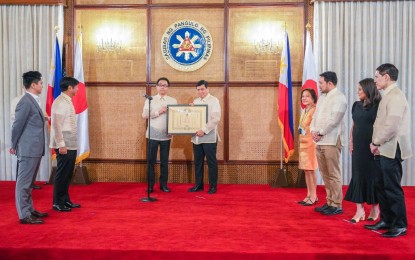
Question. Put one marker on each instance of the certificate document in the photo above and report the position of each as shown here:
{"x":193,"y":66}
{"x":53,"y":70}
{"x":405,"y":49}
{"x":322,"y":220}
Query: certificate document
{"x":186,"y":119}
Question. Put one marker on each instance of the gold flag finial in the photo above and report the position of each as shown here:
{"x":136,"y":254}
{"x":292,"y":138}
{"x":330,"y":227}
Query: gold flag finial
{"x":308,"y":26}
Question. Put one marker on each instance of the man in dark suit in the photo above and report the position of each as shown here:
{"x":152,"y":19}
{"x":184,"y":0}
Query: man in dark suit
{"x":28,"y":143}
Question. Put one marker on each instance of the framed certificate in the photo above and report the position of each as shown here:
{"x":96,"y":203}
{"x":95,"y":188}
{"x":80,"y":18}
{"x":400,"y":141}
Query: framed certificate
{"x":186,"y":119}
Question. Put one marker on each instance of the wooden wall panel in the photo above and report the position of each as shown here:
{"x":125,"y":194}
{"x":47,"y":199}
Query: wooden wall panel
{"x":127,"y":26}
{"x":110,"y":2}
{"x":212,"y":19}
{"x":254,"y":133}
{"x":187,"y":1}
{"x":264,"y":1}
{"x":246,"y":25}
{"x":181,"y":147}
{"x":116,"y":128}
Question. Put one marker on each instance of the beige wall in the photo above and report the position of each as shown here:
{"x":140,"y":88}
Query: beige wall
{"x":244,"y":80}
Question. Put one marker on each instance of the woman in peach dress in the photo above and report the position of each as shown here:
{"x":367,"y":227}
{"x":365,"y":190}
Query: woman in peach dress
{"x":307,"y":153}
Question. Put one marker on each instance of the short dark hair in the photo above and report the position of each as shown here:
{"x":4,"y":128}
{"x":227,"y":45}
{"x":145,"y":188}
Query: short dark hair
{"x":163,"y":78}
{"x":312,"y":93}
{"x":329,"y":76}
{"x":202,"y":82}
{"x":389,"y":69}
{"x":372,"y":93}
{"x":31,"y":77}
{"x":66,"y":82}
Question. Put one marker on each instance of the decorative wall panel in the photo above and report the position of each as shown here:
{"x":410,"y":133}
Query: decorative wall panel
{"x":114,"y":44}
{"x":110,"y":2}
{"x":116,"y":128}
{"x":212,"y":19}
{"x":264,"y":1}
{"x":187,"y":1}
{"x":256,"y":39}
{"x":254,"y":133}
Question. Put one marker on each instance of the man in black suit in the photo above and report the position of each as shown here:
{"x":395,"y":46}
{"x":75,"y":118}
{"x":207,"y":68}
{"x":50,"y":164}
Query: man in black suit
{"x":28,"y":143}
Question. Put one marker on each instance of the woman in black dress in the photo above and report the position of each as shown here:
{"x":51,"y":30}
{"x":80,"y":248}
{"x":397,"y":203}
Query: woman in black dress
{"x":362,"y":185}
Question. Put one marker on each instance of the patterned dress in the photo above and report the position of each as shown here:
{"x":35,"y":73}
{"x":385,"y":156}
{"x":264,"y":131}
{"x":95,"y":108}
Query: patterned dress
{"x":307,"y":153}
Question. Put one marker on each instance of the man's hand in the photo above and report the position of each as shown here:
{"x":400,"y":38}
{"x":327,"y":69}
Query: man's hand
{"x":200,"y":133}
{"x":63,"y":150}
{"x":162,"y":110}
{"x":316,"y":136}
{"x":374,"y":149}
{"x":12,"y":151}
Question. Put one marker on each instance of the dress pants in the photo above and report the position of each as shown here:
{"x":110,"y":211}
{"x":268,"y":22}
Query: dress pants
{"x":164,"y":161}
{"x":27,"y":169}
{"x":328,"y":157}
{"x":199,"y":152}
{"x":64,"y":172}
{"x":389,"y":191}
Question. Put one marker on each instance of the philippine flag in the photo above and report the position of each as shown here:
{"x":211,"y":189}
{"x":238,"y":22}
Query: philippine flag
{"x":55,"y":76}
{"x":80,"y":103}
{"x":285,"y":103}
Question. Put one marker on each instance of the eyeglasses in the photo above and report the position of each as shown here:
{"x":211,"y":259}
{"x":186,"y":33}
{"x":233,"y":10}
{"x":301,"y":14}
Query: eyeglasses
{"x":163,"y":85}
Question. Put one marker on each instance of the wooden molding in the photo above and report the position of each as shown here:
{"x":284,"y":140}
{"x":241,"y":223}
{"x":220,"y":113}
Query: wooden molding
{"x":313,"y":1}
{"x":33,"y":2}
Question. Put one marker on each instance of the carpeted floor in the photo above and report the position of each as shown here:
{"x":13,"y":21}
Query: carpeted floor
{"x":239,"y":222}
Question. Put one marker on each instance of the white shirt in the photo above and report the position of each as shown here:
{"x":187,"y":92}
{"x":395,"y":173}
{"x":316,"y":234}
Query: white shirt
{"x":63,"y":131}
{"x":158,"y":123}
{"x":393,"y":124}
{"x":36,"y":97}
{"x":214,"y":114}
{"x":328,"y":118}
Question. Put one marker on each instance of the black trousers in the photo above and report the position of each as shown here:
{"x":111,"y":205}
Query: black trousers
{"x":64,"y":172}
{"x":164,"y":161}
{"x":389,"y":191}
{"x":199,"y":153}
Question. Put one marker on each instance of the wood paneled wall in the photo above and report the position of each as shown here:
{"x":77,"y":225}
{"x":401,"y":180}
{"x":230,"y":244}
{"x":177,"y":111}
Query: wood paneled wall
{"x":244,"y":81}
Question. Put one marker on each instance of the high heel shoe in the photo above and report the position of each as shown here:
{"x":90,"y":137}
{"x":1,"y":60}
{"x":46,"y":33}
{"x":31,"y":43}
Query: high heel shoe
{"x":309,"y":202}
{"x":356,"y":220}
{"x":301,"y":202}
{"x":372,"y":218}
{"x":374,"y":213}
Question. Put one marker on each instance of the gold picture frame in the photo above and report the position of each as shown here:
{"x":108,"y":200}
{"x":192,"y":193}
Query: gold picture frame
{"x":186,"y":119}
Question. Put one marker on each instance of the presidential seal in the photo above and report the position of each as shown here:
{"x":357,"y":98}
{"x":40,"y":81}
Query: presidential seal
{"x":186,"y":45}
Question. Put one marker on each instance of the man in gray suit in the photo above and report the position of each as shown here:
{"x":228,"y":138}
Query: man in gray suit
{"x":28,"y":143}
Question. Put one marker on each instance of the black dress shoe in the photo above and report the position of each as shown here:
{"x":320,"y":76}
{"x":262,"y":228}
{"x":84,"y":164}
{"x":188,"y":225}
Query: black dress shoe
{"x":196,"y":188}
{"x":164,"y":189}
{"x":36,"y":187}
{"x":322,"y":208}
{"x":72,"y":205}
{"x":212,"y":191}
{"x":151,"y":190}
{"x":61,"y":208}
{"x":332,"y":211}
{"x":39,"y":214}
{"x":378,"y":226}
{"x":31,"y":220}
{"x":395,"y":232}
